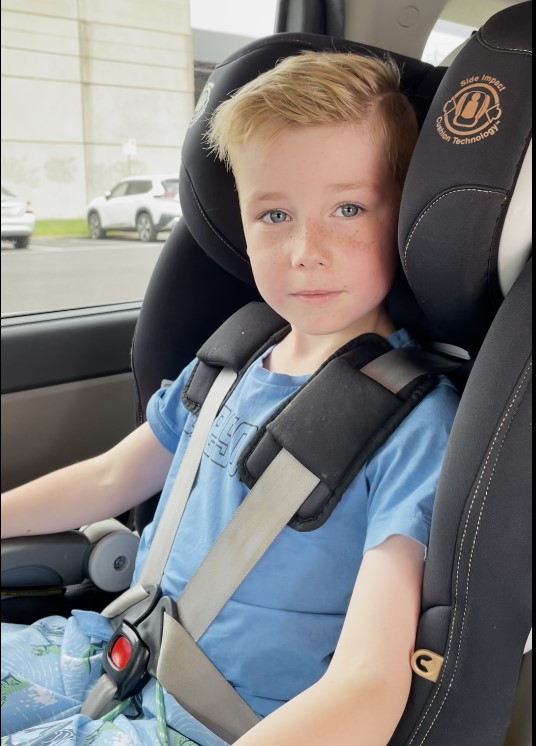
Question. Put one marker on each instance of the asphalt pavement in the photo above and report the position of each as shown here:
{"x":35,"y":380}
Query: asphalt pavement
{"x":55,"y":274}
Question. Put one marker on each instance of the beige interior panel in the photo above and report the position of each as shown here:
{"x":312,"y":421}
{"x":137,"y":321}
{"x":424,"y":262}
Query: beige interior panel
{"x":46,"y":428}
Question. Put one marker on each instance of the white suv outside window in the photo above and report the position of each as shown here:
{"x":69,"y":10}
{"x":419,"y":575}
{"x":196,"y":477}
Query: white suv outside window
{"x":147,"y":204}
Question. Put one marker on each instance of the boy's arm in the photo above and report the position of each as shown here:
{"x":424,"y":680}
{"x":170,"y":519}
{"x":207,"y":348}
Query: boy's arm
{"x":88,"y":491}
{"x":360,"y":699}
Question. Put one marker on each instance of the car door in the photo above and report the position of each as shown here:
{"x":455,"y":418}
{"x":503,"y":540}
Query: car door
{"x":117,"y":207}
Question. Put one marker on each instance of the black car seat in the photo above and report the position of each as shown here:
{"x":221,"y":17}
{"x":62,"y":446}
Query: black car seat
{"x":466,"y":187}
{"x":461,"y":254}
{"x":464,"y":239}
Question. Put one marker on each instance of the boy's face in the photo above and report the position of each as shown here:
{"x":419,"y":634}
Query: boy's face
{"x":320,"y":209}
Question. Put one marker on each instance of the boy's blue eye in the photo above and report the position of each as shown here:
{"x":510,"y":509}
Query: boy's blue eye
{"x":275,"y":216}
{"x":348,"y":211}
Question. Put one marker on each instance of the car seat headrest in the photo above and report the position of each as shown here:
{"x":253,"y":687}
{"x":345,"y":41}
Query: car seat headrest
{"x":465,"y":222}
{"x":207,"y":192}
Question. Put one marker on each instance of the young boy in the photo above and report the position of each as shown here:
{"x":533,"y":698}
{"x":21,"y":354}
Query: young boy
{"x":317,"y":639}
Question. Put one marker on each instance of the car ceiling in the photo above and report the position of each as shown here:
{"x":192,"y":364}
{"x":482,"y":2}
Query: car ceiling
{"x":402,"y":26}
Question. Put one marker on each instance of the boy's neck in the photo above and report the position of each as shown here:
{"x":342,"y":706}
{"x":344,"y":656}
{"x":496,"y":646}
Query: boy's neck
{"x":302,"y":354}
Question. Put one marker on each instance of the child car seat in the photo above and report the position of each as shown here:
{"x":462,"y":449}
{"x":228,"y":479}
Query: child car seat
{"x":461,"y":259}
{"x":464,"y":238}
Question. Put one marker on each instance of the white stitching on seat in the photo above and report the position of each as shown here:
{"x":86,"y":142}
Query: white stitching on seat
{"x":503,"y":49}
{"x":450,"y":640}
{"x":447,"y":194}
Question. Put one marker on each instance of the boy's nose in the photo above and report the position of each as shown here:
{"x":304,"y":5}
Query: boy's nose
{"x":309,"y":248}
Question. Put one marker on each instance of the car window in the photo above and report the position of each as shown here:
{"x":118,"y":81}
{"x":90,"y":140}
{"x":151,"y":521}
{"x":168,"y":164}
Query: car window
{"x":92,"y":97}
{"x":171,"y":186}
{"x":119,"y":190}
{"x":445,"y":37}
{"x":139,"y":187}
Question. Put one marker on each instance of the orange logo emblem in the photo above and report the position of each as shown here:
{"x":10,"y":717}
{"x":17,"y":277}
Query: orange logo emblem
{"x":473,"y":113}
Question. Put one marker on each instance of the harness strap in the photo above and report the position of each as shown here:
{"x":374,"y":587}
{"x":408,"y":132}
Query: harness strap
{"x":197,"y":684}
{"x":162,"y":543}
{"x":397,"y":368}
{"x":262,"y":515}
{"x":182,"y":668}
{"x":101,"y":698}
{"x":105,"y":689}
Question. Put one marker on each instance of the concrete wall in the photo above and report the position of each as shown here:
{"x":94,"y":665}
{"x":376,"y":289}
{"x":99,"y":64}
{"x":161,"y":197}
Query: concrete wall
{"x":80,"y":78}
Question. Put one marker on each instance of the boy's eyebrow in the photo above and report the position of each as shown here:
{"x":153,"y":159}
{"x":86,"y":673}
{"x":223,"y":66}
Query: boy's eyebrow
{"x":342,"y":187}
{"x":266,"y":196}
{"x":347,"y":187}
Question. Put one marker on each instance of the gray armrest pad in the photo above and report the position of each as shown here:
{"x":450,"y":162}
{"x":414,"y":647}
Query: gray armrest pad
{"x":49,"y":560}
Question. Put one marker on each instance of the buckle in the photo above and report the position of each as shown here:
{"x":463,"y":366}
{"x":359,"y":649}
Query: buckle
{"x":125,"y":661}
{"x":131,"y":656}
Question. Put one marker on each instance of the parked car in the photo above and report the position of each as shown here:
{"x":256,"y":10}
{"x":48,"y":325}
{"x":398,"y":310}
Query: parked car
{"x":147,"y":204}
{"x":18,"y":219}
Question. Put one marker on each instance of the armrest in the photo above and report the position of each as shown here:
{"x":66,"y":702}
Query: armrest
{"x":50,"y":560}
{"x":103,"y":552}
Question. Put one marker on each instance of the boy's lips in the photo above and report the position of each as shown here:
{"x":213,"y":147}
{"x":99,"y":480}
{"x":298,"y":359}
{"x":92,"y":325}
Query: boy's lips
{"x":315,"y":296}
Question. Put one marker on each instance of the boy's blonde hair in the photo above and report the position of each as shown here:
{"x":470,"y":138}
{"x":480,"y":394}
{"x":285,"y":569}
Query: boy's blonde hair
{"x":315,"y":88}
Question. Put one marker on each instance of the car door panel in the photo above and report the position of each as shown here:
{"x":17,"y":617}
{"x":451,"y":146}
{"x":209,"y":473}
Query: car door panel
{"x":67,"y":388}
{"x":116,"y":212}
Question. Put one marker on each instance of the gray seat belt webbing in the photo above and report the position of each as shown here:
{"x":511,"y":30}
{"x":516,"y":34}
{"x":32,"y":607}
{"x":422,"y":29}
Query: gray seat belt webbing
{"x":183,"y":669}
{"x":195,"y":682}
{"x":100,"y":697}
{"x":105,"y":689}
{"x":266,"y":509}
{"x":256,"y":523}
{"x":396,"y":368}
{"x":162,"y":543}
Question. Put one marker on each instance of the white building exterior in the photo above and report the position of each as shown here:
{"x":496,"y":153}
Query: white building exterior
{"x":91,"y":90}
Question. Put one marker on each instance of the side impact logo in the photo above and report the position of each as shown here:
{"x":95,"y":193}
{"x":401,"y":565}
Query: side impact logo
{"x":473,"y":113}
{"x":202,"y":103}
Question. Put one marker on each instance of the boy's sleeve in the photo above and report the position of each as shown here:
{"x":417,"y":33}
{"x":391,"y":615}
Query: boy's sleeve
{"x":166,"y":414}
{"x":402,"y":476}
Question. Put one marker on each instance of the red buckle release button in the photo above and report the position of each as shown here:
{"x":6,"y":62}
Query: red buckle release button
{"x":121,"y":652}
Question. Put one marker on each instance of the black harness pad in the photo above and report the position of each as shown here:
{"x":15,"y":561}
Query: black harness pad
{"x":332,"y":425}
{"x":235,"y":344}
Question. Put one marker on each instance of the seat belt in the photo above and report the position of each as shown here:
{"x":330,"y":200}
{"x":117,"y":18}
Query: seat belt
{"x":254,"y":526}
{"x":105,"y":690}
{"x":166,"y":530}
{"x":181,"y":666}
{"x":175,"y":659}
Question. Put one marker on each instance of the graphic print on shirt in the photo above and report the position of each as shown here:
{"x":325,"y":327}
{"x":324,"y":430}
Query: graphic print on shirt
{"x":227,"y":439}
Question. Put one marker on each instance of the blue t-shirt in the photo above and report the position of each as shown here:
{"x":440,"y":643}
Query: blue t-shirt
{"x":275,"y":636}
